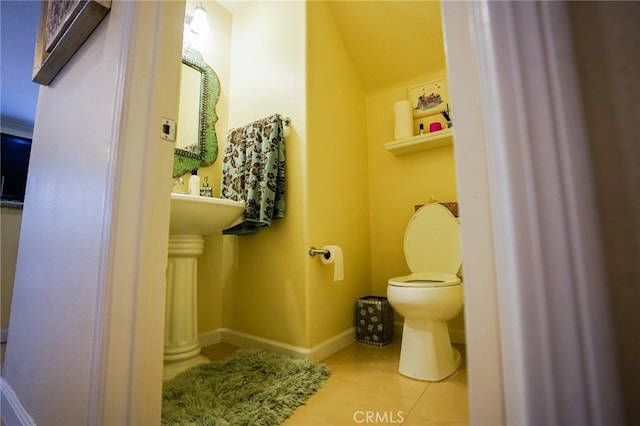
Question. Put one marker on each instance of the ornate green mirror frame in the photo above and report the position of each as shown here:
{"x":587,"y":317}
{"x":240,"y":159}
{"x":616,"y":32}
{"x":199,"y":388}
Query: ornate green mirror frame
{"x":207,"y":144}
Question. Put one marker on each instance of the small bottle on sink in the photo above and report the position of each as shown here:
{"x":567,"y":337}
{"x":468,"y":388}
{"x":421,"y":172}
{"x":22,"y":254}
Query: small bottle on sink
{"x":194,"y":183}
{"x":206,"y":190}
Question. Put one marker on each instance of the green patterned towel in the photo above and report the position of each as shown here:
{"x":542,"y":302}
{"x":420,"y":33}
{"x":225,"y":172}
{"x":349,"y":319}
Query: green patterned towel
{"x":253,"y":172}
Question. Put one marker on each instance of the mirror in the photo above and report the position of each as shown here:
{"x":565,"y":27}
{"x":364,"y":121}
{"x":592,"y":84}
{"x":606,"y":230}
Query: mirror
{"x":196,"y":139}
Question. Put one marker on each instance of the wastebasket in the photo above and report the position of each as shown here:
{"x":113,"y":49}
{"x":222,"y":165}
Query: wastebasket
{"x":374,"y":320}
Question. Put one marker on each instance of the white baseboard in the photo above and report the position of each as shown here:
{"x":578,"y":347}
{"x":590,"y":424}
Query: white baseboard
{"x":3,"y":335}
{"x":333,"y":344}
{"x":316,"y":353}
{"x":243,"y":340}
{"x":13,"y":412}
{"x":210,"y":338}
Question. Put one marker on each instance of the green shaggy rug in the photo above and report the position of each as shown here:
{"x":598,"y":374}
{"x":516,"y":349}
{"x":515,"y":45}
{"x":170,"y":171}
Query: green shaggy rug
{"x":252,"y":387}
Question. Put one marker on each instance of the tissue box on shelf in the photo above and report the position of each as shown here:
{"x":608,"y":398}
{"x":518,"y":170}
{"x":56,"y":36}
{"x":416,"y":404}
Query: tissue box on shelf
{"x":374,"y":320}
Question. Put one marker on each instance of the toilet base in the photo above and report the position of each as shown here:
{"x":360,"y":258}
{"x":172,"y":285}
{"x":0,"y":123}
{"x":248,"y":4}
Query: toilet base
{"x":426,"y":352}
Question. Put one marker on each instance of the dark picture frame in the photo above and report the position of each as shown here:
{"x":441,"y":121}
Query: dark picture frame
{"x":64,"y":26}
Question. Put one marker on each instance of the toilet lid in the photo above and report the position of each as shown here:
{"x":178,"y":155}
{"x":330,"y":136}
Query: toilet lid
{"x":432,"y":240}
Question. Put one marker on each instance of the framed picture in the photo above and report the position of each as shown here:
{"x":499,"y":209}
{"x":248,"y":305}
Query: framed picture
{"x":59,"y":16}
{"x":64,"y":26}
{"x":429,"y":98}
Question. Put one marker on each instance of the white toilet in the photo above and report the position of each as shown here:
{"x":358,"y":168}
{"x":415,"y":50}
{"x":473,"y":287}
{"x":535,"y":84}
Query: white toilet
{"x":431,"y":295}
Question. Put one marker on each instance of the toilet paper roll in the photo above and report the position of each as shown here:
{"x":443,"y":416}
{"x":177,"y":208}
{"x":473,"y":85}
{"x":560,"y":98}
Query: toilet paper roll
{"x":334,"y":258}
{"x":403,"y":119}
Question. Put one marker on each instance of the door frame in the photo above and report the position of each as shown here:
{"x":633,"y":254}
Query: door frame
{"x":534,"y":271}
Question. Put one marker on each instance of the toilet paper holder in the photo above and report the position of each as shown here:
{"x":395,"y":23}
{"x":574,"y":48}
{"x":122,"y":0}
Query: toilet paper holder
{"x":313,"y":251}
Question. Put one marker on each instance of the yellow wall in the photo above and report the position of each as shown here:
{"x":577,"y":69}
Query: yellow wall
{"x":397,"y":184}
{"x":267,"y":296}
{"x":10,"y":232}
{"x":337,"y":189}
{"x":343,"y":187}
{"x":215,"y":48}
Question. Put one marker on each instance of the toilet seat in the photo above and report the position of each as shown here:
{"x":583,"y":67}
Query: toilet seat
{"x":425,"y":280}
{"x":432,"y":241}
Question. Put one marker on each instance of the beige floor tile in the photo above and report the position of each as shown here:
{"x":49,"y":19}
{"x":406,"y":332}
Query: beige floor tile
{"x":374,"y":367}
{"x":442,"y":403}
{"x":384,"y":358}
{"x":340,"y":402}
{"x":218,"y":351}
{"x":448,"y":394}
{"x":366,"y":388}
{"x":434,"y":411}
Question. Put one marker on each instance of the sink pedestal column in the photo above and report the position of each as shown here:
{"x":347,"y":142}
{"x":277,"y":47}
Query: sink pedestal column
{"x":181,"y":345}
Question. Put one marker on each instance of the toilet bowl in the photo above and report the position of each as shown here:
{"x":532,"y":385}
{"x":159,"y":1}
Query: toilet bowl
{"x":430,"y":296}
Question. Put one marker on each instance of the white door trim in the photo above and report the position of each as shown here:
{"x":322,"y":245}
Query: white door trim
{"x":13,"y":412}
{"x":126,"y":379}
{"x":557,"y":353}
{"x":482,"y":325}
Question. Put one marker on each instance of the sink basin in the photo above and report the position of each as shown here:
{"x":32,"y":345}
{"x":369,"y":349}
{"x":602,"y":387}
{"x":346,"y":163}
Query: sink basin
{"x":203,"y":215}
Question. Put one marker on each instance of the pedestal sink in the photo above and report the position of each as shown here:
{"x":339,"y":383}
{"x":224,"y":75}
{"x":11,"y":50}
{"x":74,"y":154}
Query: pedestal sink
{"x":192,"y":218}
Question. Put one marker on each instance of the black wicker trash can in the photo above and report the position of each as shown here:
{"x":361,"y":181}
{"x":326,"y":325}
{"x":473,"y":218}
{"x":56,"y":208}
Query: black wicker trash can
{"x":374,"y":320}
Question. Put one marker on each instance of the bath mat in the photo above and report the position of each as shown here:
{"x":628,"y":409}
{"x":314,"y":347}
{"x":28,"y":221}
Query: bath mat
{"x":252,"y":387}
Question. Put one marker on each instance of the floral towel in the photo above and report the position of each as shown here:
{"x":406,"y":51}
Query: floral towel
{"x":253,"y":172}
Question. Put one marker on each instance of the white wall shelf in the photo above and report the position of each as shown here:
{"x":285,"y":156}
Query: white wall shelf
{"x":421,"y":142}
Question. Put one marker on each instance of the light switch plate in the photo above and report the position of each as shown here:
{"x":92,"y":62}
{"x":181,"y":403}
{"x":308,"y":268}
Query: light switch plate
{"x":168,"y":131}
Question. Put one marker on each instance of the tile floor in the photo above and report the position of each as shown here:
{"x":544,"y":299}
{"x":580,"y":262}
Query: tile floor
{"x":365,"y":388}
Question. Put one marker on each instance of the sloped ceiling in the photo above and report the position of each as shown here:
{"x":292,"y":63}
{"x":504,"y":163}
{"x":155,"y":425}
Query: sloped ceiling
{"x":388,"y":41}
{"x":391,"y":41}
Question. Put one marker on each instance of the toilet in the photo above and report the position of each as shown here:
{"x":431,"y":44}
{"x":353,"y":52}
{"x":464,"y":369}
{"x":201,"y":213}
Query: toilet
{"x":431,"y":295}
